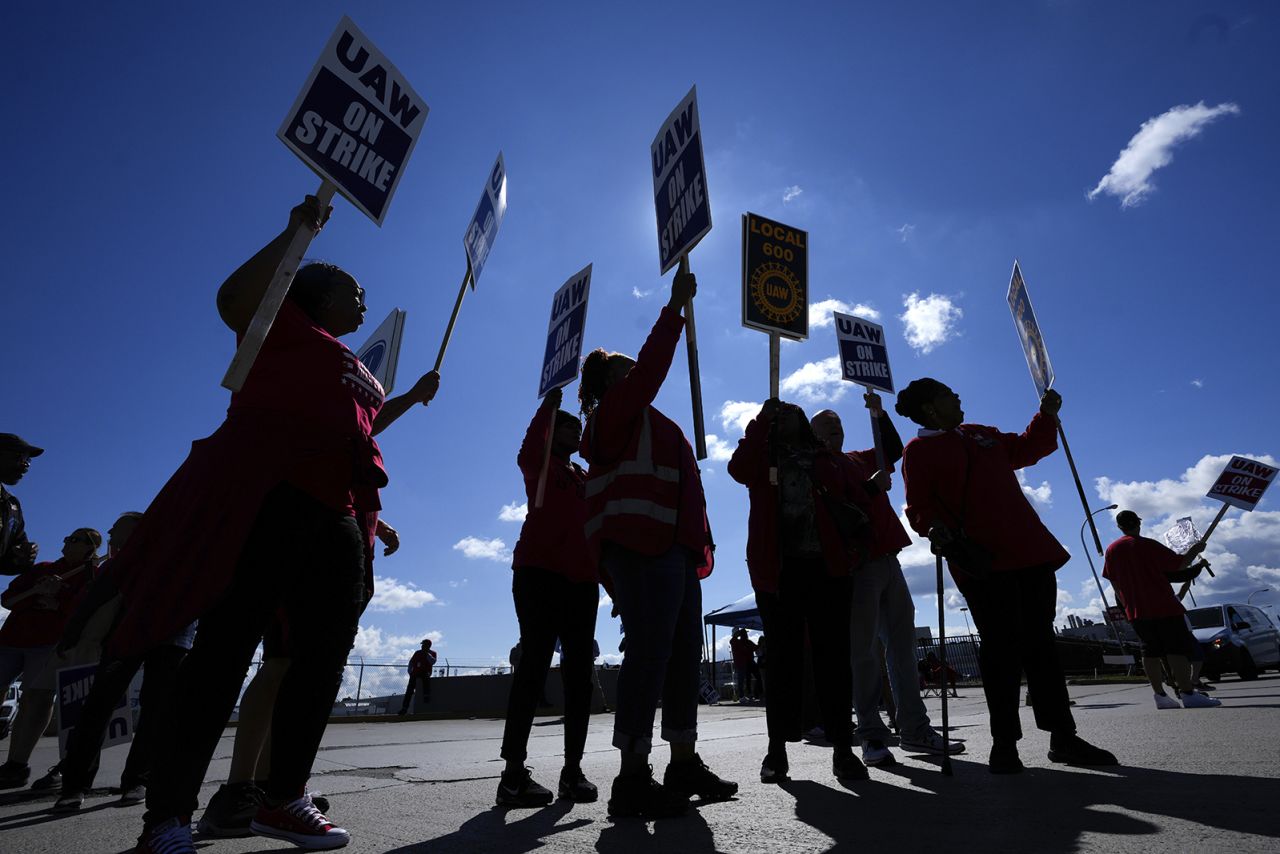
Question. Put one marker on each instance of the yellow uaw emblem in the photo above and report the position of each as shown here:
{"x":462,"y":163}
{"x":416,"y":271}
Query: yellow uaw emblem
{"x":775,"y":291}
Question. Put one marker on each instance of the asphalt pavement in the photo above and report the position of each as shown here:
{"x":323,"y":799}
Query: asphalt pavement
{"x":1190,"y":780}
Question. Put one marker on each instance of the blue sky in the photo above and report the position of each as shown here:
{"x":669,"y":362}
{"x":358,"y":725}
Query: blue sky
{"x":924,"y":146}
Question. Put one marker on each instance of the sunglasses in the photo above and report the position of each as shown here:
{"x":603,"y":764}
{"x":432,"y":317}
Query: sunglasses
{"x":75,"y":539}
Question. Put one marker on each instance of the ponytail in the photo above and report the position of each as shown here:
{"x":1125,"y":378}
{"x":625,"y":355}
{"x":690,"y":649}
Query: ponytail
{"x":592,"y":385}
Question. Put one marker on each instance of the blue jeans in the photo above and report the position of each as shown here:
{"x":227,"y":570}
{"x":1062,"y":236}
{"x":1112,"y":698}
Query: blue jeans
{"x":882,"y":607}
{"x":660,"y":602}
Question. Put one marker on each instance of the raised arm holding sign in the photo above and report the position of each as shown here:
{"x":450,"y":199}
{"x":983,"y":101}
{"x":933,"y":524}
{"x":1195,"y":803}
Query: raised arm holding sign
{"x":1024,"y":318}
{"x":355,"y":123}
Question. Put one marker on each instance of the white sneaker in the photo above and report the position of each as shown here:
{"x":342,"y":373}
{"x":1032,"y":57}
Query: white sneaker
{"x":1196,"y":700}
{"x":1164,"y":701}
{"x":929,"y":741}
{"x":875,"y":754}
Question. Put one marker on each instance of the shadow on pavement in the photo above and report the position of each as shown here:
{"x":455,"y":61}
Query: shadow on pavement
{"x":497,"y":829}
{"x":1047,"y":808}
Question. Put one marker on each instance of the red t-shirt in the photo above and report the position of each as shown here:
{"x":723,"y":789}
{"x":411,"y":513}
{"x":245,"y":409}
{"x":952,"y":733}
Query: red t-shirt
{"x":30,"y":623}
{"x":1136,"y":568}
{"x":887,"y":534}
{"x":305,"y":373}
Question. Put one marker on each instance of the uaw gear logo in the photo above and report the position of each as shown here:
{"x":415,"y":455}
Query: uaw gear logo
{"x":775,"y":293}
{"x":775,"y":277}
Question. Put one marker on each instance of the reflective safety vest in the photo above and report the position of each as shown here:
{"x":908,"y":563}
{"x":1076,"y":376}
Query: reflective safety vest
{"x":635,"y":500}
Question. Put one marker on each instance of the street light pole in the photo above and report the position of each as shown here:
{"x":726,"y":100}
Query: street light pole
{"x":1249,"y":601}
{"x":967,"y":628}
{"x":1105,"y":605}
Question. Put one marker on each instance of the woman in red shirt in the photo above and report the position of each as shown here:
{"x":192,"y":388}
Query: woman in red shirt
{"x":554,"y":585}
{"x":272,"y":513}
{"x":799,"y":561}
{"x":961,"y":482}
{"x":647,"y":529}
{"x":41,"y":601}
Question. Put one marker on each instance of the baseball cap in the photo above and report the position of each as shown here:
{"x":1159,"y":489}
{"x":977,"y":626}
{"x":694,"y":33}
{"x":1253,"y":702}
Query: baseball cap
{"x":13,"y":442}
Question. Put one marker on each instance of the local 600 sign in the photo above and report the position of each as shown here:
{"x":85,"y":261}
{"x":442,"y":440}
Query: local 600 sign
{"x":680,"y":183}
{"x":775,"y":277}
{"x":356,"y":121}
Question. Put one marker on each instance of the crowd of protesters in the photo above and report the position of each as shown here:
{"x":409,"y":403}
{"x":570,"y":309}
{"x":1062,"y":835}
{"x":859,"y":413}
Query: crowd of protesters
{"x":265,"y":535}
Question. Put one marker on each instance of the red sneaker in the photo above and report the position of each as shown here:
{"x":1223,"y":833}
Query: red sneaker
{"x":301,"y":823}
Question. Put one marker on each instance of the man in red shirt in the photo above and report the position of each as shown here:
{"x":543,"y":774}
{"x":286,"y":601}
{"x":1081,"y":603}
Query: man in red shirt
{"x":420,"y":674}
{"x":1141,"y":570}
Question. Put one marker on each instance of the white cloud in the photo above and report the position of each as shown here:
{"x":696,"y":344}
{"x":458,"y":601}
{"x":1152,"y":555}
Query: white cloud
{"x":513,"y":512}
{"x":456,"y":584}
{"x":604,"y":600}
{"x":735,"y":415}
{"x":820,"y":312}
{"x":639,"y":294}
{"x":791,"y":192}
{"x":478,"y":549}
{"x":1244,"y":550}
{"x":1042,"y":494}
{"x":904,"y":231}
{"x":930,"y":322}
{"x":718,"y":450}
{"x":1152,"y":148}
{"x":1198,"y":383}
{"x":815,"y":382}
{"x":389,"y":594}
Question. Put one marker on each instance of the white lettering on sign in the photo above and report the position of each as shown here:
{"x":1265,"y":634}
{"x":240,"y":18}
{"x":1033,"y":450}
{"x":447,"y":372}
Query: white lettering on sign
{"x":864,"y":358}
{"x":399,"y":100}
{"x":565,"y":332}
{"x":1243,"y":482}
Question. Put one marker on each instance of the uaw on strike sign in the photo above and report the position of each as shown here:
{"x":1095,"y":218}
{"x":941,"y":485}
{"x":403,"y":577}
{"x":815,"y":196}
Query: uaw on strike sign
{"x":864,"y":356}
{"x":1024,"y":318}
{"x":680,"y":183}
{"x":564,"y":332}
{"x":356,"y":121}
{"x":482,"y":231}
{"x":775,"y":277}
{"x":1242,"y":483}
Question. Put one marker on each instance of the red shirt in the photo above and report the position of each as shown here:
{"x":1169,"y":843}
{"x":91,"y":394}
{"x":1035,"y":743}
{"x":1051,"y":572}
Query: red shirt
{"x":750,"y":466}
{"x":305,"y":417}
{"x":422,"y":661}
{"x":743,"y":651}
{"x":552,"y":537}
{"x":303,"y":372}
{"x":888,"y":537}
{"x":615,"y":424}
{"x":1136,"y":568}
{"x":965,"y":478}
{"x":29,"y":623}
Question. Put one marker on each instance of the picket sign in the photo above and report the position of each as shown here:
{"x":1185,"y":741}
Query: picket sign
{"x":478,"y":240}
{"x":565,"y":332}
{"x":1024,"y":319}
{"x":683,"y":211}
{"x":73,"y":686}
{"x":864,"y":359}
{"x":355,"y":123}
{"x":381,"y":353}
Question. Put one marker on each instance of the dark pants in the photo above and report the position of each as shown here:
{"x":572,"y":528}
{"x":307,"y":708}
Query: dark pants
{"x":421,"y":682}
{"x":550,"y":606}
{"x":307,"y":560}
{"x":813,"y":603}
{"x":1014,"y":613}
{"x":84,"y":742}
{"x":742,"y":681}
